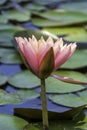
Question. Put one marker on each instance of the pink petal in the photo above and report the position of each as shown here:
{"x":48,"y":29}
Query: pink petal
{"x":31,"y":58}
{"x":68,"y":80}
{"x":62,"y":57}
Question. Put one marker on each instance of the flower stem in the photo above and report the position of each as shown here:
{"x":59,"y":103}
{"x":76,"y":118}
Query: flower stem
{"x":44,"y":105}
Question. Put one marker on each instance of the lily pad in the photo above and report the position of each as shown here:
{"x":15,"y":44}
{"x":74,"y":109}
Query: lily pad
{"x":8,"y":122}
{"x":75,"y":34}
{"x":3,"y":79}
{"x":17,"y":15}
{"x":7,"y":98}
{"x":70,"y":100}
{"x":24,"y":79}
{"x":11,"y":59}
{"x":56,"y":86}
{"x":17,"y":97}
{"x":46,"y":2}
{"x":75,"y":6}
{"x":6,"y":51}
{"x":27,"y":94}
{"x":78,"y":60}
{"x":61,"y":17}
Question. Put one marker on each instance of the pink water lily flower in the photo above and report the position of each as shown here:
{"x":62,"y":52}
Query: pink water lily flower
{"x":44,"y":56}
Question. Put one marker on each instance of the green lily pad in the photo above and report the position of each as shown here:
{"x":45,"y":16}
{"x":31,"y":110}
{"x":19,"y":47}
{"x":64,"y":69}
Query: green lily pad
{"x":56,"y":86}
{"x":17,"y":97}
{"x":17,"y":15}
{"x":75,"y":34}
{"x":3,"y":79}
{"x":35,"y":7}
{"x":46,"y":2}
{"x":70,"y":100}
{"x":6,"y":34}
{"x":27,"y":94}
{"x":7,"y":98}
{"x":78,"y":60}
{"x":8,"y":122}
{"x":11,"y":59}
{"x":75,"y":6}
{"x":61,"y":17}
{"x":6,"y":51}
{"x":24,"y":79}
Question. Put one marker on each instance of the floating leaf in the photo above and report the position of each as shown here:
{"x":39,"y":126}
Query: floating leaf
{"x":8,"y":122}
{"x":24,"y":79}
{"x":76,"y":34}
{"x":75,"y":6}
{"x":3,"y":79}
{"x":77,"y":60}
{"x":35,"y":7}
{"x":27,"y":94}
{"x":70,"y":100}
{"x":46,"y":2}
{"x":56,"y":86}
{"x":61,"y":17}
{"x":11,"y":59}
{"x":17,"y":97}
{"x":7,"y":98}
{"x":6,"y":51}
{"x":17,"y":15}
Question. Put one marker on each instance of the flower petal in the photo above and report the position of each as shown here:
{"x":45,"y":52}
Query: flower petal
{"x":68,"y":80}
{"x":31,"y":58}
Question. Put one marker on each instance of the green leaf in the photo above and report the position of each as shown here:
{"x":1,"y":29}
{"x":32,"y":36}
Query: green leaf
{"x":78,"y":60}
{"x":24,"y":79}
{"x":16,"y":15}
{"x":46,"y":2}
{"x":6,"y":34}
{"x":3,"y":79}
{"x":70,"y":100}
{"x":6,"y":51}
{"x":27,"y":94}
{"x":8,"y":122}
{"x":17,"y":97}
{"x":11,"y":59}
{"x":76,"y":34}
{"x":61,"y":17}
{"x":7,"y":98}
{"x":35,"y":7}
{"x":56,"y":86}
{"x":75,"y":6}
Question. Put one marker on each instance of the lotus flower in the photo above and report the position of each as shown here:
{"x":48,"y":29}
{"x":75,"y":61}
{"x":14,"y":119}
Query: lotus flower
{"x":43,"y":57}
